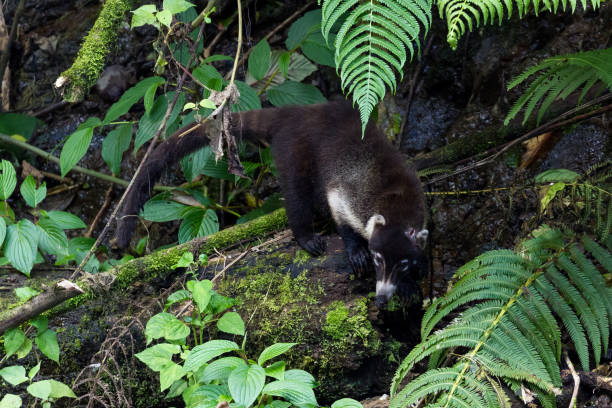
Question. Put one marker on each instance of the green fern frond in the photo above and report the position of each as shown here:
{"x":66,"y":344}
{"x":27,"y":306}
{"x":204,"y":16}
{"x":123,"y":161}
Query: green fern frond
{"x":461,"y":14}
{"x":373,"y":44}
{"x":510,"y":333}
{"x":558,"y":77}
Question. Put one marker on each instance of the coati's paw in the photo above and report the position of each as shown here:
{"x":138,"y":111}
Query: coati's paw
{"x":359,"y":259}
{"x":314,"y":245}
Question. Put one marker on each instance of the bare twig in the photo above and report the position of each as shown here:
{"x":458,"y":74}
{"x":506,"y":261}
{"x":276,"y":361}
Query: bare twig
{"x":61,"y":291}
{"x":553,"y":124}
{"x":576,"y":378}
{"x":98,"y":216}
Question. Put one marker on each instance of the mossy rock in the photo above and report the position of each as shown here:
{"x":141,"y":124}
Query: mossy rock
{"x":285,"y":295}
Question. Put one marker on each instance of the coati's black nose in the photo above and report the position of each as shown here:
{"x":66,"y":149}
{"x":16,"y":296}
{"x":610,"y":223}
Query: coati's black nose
{"x":381,"y":301}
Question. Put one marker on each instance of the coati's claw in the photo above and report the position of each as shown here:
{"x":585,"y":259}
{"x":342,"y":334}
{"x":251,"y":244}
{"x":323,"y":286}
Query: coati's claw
{"x":359,"y":260}
{"x":314,"y":245}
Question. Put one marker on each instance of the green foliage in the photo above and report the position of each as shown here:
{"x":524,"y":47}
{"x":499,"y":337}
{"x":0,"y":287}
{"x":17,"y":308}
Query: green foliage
{"x":558,"y":77}
{"x":460,"y":14}
{"x":585,"y":200}
{"x":510,"y":333}
{"x":17,"y":342}
{"x":371,"y":44}
{"x":204,"y":375}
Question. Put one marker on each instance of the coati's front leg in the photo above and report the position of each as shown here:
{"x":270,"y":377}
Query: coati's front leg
{"x":356,"y":249}
{"x":299,"y":207}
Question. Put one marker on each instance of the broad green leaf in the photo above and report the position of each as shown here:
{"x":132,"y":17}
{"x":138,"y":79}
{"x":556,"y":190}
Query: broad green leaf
{"x":551,"y":192}
{"x":14,"y":375}
{"x":274,"y":350}
{"x":556,"y":175}
{"x":159,"y":356}
{"x":25,"y":348}
{"x":185,"y":261}
{"x":40,"y":389}
{"x":205,"y":396}
{"x":294,"y":93}
{"x":207,"y":103}
{"x":283,"y":63}
{"x":18,"y":124}
{"x":296,"y":392}
{"x":75,"y":148}
{"x":217,"y":57}
{"x":47,"y":343}
{"x":141,"y":16}
{"x":301,"y":376}
{"x":141,"y":245}
{"x":133,"y":95}
{"x":304,"y":26}
{"x":164,"y":17}
{"x":276,"y":370}
{"x":160,"y":210}
{"x":50,"y":389}
{"x":8,"y":179}
{"x":220,"y":369}
{"x":21,"y":245}
{"x":167,"y":326}
{"x":115,"y":144}
{"x":177,"y":297}
{"x":52,"y":239}
{"x":315,"y":47}
{"x":41,"y":323}
{"x":203,"y":353}
{"x":2,"y":230}
{"x":169,"y":374}
{"x":259,"y":60}
{"x":299,"y":68}
{"x":25,"y":293}
{"x":232,"y":323}
{"x":176,"y":6}
{"x":33,"y":371}
{"x":60,"y":390}
{"x":245,"y":383}
{"x":197,"y":222}
{"x":65,"y":220}
{"x":208,"y":76}
{"x":201,"y":293}
{"x":150,"y":121}
{"x":32,"y":195}
{"x":13,"y":339}
{"x":346,"y":403}
{"x":176,"y":389}
{"x":10,"y":401}
{"x":248,"y":100}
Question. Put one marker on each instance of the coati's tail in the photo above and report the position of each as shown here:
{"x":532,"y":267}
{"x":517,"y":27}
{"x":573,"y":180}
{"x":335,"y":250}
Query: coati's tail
{"x":253,"y":124}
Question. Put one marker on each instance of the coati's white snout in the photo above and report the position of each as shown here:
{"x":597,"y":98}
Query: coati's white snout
{"x":385,"y":289}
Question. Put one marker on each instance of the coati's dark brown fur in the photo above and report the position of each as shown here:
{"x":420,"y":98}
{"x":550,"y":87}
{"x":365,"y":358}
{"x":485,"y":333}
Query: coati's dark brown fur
{"x":323,"y":163}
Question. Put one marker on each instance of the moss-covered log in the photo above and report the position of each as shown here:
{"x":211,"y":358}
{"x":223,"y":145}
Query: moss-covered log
{"x":147,"y":268}
{"x":89,"y":62}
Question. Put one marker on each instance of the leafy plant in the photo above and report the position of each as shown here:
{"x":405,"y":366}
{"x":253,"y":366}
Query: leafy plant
{"x":558,"y":77}
{"x":22,"y":240}
{"x":371,"y":44}
{"x":17,"y":342}
{"x":510,"y":334}
{"x":202,"y":376}
{"x":583,"y":196}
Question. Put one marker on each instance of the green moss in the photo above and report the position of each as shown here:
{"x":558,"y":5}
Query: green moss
{"x":301,"y":257}
{"x":89,"y":62}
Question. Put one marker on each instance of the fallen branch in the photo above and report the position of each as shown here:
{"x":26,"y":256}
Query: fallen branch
{"x":52,"y":297}
{"x":576,"y":378}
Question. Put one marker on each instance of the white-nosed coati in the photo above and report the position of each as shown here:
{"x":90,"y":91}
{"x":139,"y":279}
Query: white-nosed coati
{"x":323,"y":163}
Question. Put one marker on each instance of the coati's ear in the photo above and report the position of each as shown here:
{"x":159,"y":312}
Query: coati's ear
{"x":374,"y":220}
{"x":421,"y":237}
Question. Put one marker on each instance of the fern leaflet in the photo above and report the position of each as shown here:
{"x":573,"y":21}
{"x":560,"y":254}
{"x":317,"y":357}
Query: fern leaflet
{"x":460,"y":14}
{"x":558,"y":77}
{"x":511,"y":334}
{"x":371,"y":44}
